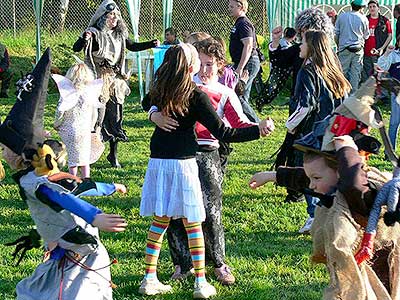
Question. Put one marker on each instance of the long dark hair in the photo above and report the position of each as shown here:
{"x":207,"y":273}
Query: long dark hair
{"x":173,"y":86}
{"x":326,"y":62}
{"x":121,"y":29}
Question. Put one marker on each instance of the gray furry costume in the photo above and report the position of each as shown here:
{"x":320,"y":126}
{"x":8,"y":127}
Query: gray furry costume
{"x":105,"y":55}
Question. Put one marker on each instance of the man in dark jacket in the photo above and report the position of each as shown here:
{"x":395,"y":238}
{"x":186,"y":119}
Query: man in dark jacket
{"x":380,"y":31}
{"x":396,"y":15}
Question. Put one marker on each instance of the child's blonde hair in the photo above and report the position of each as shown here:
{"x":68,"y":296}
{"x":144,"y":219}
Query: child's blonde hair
{"x":80,"y":75}
{"x":195,"y":37}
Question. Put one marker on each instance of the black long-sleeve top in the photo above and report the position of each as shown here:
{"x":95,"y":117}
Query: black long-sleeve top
{"x":130,"y":45}
{"x":181,"y":143}
{"x":288,"y":58}
{"x":353,"y":182}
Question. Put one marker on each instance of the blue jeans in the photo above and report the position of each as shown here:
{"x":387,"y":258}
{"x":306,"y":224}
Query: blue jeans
{"x":352,"y":64}
{"x":311,"y":205}
{"x":252,"y":66}
{"x":394,"y":120}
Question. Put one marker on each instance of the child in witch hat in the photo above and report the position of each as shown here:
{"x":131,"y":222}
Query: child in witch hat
{"x":77,"y":265}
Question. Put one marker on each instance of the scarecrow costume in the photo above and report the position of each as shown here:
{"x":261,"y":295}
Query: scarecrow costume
{"x":76,"y":264}
{"x":341,"y":215}
{"x":105,"y":55}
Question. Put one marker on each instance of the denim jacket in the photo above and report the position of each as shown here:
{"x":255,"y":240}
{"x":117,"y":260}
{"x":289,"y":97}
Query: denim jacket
{"x":312,"y":101}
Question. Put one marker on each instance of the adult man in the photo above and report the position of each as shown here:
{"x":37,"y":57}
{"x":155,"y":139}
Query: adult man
{"x":380,"y":31}
{"x":5,"y":74}
{"x":170,"y":37}
{"x":351,"y":31}
{"x":242,"y":48}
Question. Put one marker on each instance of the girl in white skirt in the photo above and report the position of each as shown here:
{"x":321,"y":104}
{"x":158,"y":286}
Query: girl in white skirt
{"x":171,"y":187}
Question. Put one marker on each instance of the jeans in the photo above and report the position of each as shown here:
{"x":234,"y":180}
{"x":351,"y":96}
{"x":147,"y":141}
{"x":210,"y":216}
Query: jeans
{"x":311,"y":202}
{"x":252,"y":66}
{"x":394,"y":120}
{"x":368,"y":67}
{"x":352,"y":64}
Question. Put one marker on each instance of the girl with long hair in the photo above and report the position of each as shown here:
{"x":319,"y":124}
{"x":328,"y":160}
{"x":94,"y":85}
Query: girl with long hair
{"x":172,"y":187}
{"x":320,"y":88}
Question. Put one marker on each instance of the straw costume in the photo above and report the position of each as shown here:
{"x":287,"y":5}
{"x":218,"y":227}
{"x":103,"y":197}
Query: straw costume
{"x":341,"y":215}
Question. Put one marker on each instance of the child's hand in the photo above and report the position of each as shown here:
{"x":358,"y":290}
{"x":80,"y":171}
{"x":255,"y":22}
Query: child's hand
{"x":166,"y":123}
{"x":389,"y":50}
{"x":266,"y":127}
{"x":120,"y":188}
{"x":344,"y":141}
{"x":110,"y":223}
{"x":262,"y":178}
{"x":245,"y":76}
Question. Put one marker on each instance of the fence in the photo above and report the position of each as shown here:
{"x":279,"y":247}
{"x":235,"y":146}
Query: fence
{"x":72,"y":16}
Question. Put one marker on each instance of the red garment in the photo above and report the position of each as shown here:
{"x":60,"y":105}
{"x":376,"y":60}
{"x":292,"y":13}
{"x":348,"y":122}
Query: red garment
{"x":343,"y":125}
{"x":370,"y":43}
{"x":228,"y":108}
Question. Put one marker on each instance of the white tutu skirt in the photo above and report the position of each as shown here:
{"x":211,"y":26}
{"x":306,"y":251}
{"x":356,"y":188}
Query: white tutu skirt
{"x":172,"y":188}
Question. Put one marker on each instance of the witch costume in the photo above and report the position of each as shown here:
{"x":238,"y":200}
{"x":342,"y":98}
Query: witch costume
{"x":76,"y":264}
{"x":105,"y":55}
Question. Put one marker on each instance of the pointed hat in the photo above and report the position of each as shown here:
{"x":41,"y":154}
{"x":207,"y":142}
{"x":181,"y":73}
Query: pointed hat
{"x":23,"y":128}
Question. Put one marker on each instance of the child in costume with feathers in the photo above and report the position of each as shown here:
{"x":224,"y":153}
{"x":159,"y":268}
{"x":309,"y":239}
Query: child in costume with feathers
{"x":76,"y":116}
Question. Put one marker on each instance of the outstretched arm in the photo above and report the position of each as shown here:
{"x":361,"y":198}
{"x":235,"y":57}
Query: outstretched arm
{"x":132,"y":46}
{"x":79,"y":207}
{"x":59,"y":201}
{"x":104,"y":189}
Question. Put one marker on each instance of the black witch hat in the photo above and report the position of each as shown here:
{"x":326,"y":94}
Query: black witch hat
{"x":23,"y":128}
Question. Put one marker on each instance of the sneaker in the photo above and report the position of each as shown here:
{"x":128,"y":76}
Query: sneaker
{"x":224,"y":275}
{"x":178,"y":275}
{"x":307,"y":226}
{"x":203,"y":290}
{"x":151,"y":287}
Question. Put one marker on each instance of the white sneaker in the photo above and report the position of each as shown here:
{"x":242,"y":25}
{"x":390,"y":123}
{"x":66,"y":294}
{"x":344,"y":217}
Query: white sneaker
{"x":307,"y":226}
{"x":203,"y":290}
{"x":153,"y":287}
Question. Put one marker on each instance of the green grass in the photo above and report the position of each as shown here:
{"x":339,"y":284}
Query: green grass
{"x":269,"y":259}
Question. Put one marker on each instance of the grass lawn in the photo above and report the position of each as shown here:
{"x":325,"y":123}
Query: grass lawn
{"x":269,"y":259}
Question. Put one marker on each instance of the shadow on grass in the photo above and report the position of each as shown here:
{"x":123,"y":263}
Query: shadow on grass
{"x":129,"y":284}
